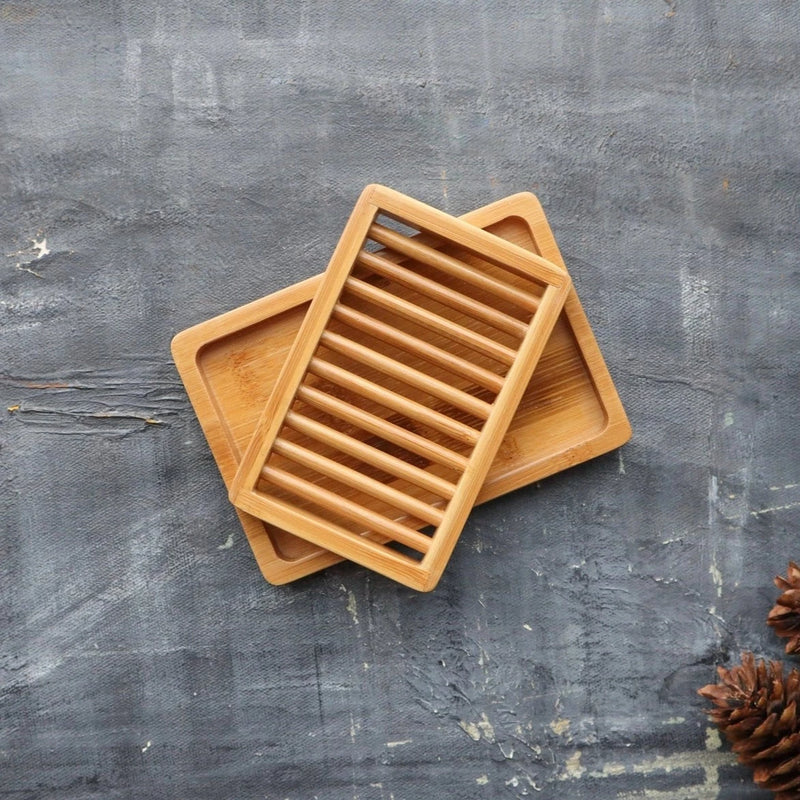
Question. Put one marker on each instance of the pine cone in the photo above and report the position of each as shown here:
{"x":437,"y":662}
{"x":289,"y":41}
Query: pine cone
{"x":785,"y":616}
{"x":757,"y":708}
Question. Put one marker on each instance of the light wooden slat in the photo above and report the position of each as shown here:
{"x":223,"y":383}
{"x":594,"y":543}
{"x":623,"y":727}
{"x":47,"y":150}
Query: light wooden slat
{"x":410,"y":408}
{"x":427,"y":319}
{"x":370,"y":455}
{"x":435,"y":355}
{"x":413,"y":377}
{"x":446,"y":295}
{"x":408,"y":440}
{"x":346,"y":508}
{"x":451,"y":266}
{"x":358,"y":480}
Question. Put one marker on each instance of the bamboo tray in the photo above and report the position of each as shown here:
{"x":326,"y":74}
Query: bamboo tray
{"x":570,"y":411}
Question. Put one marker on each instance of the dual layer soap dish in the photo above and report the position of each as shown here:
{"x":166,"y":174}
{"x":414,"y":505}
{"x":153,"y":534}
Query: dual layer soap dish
{"x":441,"y":362}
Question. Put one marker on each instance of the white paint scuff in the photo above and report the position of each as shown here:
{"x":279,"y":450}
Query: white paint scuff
{"x":713,"y":499}
{"x":781,"y":507}
{"x":727,"y":420}
{"x":476,"y":730}
{"x":710,"y":759}
{"x":40,"y":247}
{"x":716,"y":577}
{"x":228,"y":543}
{"x":773,"y":509}
{"x":573,"y":768}
{"x":354,"y":728}
{"x":399,"y":743}
{"x":471,"y":729}
{"x":28,"y":255}
{"x":696,"y":312}
{"x":559,"y":726}
{"x":713,"y":496}
{"x":352,"y":607}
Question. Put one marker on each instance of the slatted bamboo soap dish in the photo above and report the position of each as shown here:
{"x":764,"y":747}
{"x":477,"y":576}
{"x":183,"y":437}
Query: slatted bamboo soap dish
{"x":367,"y":455}
{"x":569,"y":412}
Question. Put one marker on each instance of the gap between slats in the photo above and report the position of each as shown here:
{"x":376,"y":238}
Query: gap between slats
{"x":409,"y":375}
{"x":346,"y":508}
{"x":378,"y":426}
{"x":451,"y":266}
{"x":370,"y":455}
{"x":396,"y":402}
{"x":427,"y":319}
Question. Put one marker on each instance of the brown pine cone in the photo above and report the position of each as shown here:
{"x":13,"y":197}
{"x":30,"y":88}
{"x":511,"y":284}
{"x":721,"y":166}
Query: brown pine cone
{"x":758,"y":710}
{"x":785,"y":616}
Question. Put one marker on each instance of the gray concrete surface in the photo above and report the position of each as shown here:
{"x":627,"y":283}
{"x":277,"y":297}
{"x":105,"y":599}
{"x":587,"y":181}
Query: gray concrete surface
{"x":162,"y":162}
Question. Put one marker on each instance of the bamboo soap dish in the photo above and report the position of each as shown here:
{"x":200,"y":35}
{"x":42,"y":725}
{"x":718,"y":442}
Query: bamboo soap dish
{"x":570,"y":411}
{"x":399,"y":387}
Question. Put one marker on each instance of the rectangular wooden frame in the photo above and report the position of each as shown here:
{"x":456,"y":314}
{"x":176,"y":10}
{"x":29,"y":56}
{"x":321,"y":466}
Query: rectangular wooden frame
{"x":269,"y":437}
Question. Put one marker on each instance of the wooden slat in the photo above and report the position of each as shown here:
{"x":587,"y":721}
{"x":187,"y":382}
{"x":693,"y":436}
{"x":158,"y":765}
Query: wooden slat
{"x":427,"y":319}
{"x":452,"y":266}
{"x":434,"y":355}
{"x":413,"y":377}
{"x":370,"y":455}
{"x":445,"y":295}
{"x":364,"y":388}
{"x":408,"y":440}
{"x":358,"y":480}
{"x":346,"y":508}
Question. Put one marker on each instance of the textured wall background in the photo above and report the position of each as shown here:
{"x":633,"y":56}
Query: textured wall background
{"x":162,"y":162}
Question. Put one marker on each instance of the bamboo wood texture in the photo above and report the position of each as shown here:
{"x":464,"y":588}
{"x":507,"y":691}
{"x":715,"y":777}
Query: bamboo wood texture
{"x":356,"y":509}
{"x":569,"y":413}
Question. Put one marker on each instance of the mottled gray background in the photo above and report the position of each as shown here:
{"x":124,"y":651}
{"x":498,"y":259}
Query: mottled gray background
{"x":181,"y":159}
